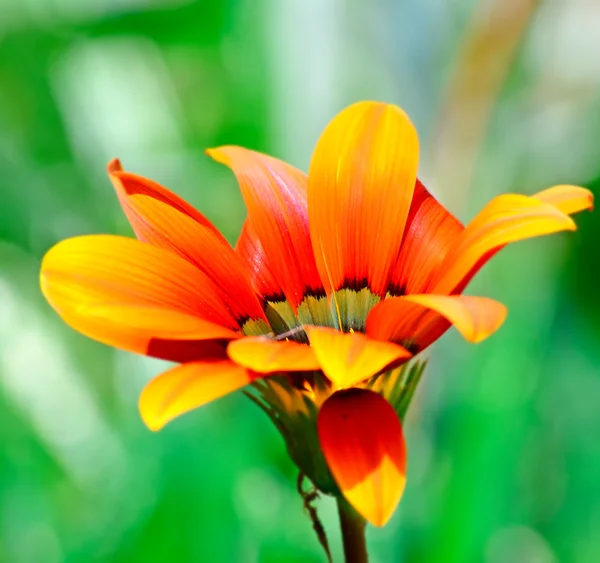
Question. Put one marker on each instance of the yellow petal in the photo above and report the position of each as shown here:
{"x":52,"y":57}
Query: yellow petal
{"x":187,"y":387}
{"x":569,"y":199}
{"x":349,"y":358}
{"x":507,"y":218}
{"x":263,"y":355}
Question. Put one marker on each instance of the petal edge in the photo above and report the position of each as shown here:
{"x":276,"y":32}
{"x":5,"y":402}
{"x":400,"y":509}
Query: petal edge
{"x":362,"y":440}
{"x":187,"y":387}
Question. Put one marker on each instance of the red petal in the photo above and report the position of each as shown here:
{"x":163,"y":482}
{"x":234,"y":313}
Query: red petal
{"x":360,"y":186}
{"x":431,"y":231}
{"x":348,"y":359}
{"x":161,"y":218}
{"x":363,"y":444}
{"x":187,"y":387}
{"x":275,"y":195}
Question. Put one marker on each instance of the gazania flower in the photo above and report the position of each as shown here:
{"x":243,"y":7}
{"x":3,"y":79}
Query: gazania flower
{"x":339,"y":278}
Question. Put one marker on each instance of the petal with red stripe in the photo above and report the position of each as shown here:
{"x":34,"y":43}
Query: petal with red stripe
{"x":128,"y":294}
{"x":161,"y":218}
{"x":275,"y":195}
{"x":362,"y":440}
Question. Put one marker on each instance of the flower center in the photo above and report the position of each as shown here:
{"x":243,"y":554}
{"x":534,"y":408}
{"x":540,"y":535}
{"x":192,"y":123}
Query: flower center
{"x":345,"y":310}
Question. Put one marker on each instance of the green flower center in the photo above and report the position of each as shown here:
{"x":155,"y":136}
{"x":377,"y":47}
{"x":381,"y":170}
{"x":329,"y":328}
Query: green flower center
{"x":345,"y":310}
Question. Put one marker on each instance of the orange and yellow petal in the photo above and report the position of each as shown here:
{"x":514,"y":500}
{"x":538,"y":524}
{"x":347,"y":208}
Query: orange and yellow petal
{"x":128,"y":185}
{"x":349,"y":358}
{"x":160,"y":218}
{"x":263,"y":355}
{"x":507,"y":218}
{"x":360,"y":186}
{"x":275,"y":196}
{"x":187,"y":387}
{"x":125,"y":293}
{"x":415,"y":319}
{"x":362,"y":440}
{"x":569,"y":199}
{"x":431,"y":231}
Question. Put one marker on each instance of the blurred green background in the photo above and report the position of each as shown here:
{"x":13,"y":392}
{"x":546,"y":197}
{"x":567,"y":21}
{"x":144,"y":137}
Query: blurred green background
{"x":504,"y":437}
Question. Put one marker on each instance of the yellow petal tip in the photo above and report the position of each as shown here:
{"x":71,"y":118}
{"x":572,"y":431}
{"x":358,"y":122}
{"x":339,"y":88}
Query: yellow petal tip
{"x":567,"y":198}
{"x":218,"y":155}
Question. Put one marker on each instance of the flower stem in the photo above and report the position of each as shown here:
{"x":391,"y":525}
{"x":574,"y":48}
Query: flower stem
{"x":353,"y":533}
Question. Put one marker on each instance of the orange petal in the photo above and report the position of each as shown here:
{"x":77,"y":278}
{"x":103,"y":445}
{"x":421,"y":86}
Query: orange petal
{"x":360,"y":186}
{"x":430,"y":233}
{"x":127,"y":185}
{"x":252,"y":254}
{"x":407,"y":319}
{"x":187,"y":387}
{"x":104,"y":285}
{"x":269,"y":356}
{"x":569,"y":199}
{"x":275,"y":195}
{"x":363,"y":444}
{"x":507,"y":218}
{"x":349,"y":358}
{"x":161,"y":218}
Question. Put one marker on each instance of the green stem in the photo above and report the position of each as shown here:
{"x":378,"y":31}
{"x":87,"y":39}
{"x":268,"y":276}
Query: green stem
{"x":353,"y":533}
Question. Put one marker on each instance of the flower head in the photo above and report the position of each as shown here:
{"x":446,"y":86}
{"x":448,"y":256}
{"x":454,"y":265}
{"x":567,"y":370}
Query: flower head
{"x":338,"y":279}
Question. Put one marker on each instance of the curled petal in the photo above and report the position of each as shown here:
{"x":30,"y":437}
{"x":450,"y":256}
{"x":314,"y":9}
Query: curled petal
{"x":349,"y":358}
{"x":569,"y":199}
{"x":415,"y":319}
{"x":363,"y":444}
{"x":187,"y":387}
{"x":360,"y":186}
{"x":507,"y":218}
{"x":263,"y":355}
